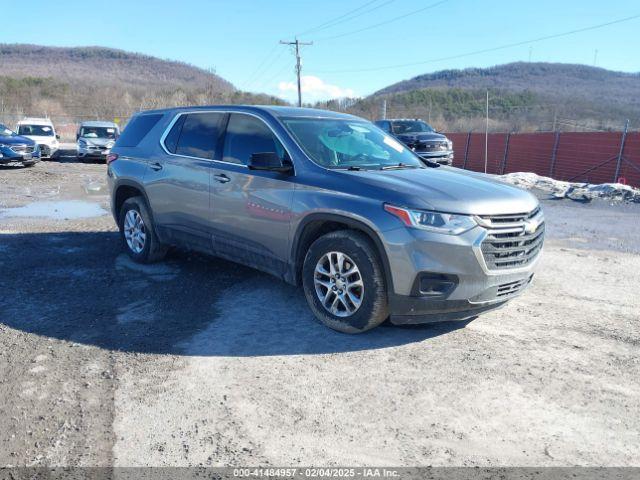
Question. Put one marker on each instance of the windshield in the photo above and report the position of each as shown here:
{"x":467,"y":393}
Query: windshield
{"x":335,"y":143}
{"x":98,"y":132}
{"x":35,"y":130}
{"x":5,"y":132}
{"x":411,"y":126}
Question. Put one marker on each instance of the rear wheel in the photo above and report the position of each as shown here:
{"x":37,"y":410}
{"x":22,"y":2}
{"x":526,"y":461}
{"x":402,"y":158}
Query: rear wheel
{"x":344,"y":283}
{"x":138,"y":233}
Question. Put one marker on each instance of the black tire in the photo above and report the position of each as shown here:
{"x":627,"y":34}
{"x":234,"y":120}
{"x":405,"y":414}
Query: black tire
{"x":153,"y":250}
{"x":373,"y":309}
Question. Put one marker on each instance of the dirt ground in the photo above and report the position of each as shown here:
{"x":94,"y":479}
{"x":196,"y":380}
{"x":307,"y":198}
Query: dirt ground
{"x":196,"y":361}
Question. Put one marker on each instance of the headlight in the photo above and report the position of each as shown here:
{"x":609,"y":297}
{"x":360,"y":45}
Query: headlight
{"x":448,"y":223}
{"x":449,"y":144}
{"x":82,"y":143}
{"x":110,"y":144}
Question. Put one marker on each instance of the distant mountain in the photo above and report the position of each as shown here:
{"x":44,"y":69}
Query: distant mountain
{"x":103,"y":66}
{"x":72,"y":84}
{"x":523,"y":96}
{"x":550,"y":79}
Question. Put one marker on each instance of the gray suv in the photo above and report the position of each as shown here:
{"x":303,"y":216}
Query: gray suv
{"x":327,"y":201}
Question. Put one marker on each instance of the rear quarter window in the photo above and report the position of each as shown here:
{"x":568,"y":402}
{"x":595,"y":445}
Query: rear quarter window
{"x":137,"y":129}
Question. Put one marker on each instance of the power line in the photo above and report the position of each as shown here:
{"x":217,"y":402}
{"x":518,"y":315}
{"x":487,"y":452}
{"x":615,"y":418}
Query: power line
{"x":341,"y":18}
{"x":386,"y":22}
{"x":256,"y":80}
{"x":486,"y":50}
{"x":263,"y":82}
{"x":260,"y":65}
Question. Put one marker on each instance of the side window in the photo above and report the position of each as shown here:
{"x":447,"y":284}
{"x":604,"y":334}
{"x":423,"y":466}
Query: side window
{"x":247,"y":135}
{"x":199,"y":135}
{"x":171,"y":140}
{"x":137,"y":129}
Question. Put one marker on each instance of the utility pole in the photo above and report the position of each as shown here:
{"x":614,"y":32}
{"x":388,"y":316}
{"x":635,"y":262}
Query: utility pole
{"x":595,"y":58}
{"x":384,"y":109}
{"x":621,"y":152}
{"x":486,"y":136}
{"x":297,"y":44}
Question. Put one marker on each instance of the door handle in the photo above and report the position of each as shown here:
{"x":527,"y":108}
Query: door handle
{"x":156,"y":166}
{"x":222,"y":178}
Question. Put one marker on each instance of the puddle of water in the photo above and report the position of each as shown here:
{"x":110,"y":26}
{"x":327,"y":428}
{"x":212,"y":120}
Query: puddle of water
{"x":70,"y":209}
{"x":94,"y":187}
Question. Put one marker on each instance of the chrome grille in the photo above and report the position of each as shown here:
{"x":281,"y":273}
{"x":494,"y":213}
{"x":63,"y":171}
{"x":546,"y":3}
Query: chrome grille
{"x":21,"y":148}
{"x":512,"y":241}
{"x":431,"y":146}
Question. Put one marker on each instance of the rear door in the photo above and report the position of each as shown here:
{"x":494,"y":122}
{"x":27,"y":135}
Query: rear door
{"x":178,"y":183}
{"x":252,"y":209}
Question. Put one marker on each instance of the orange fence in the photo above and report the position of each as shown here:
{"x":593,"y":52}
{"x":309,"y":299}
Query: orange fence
{"x":600,"y":157}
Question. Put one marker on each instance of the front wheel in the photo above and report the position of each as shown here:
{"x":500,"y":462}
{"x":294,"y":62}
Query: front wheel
{"x":138,"y":233}
{"x":344,"y":283}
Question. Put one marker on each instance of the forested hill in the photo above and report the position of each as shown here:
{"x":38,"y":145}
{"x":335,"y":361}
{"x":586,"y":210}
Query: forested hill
{"x":72,"y":84}
{"x":523,"y":97}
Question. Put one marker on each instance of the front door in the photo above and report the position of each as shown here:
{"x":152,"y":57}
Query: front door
{"x":252,"y":209}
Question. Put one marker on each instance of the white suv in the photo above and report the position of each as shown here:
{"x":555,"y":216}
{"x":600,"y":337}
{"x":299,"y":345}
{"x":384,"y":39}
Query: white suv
{"x":41,"y":131}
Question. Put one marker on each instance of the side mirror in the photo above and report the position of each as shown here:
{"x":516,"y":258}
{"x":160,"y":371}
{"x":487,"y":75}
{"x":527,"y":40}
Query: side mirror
{"x":57,"y":137}
{"x":77,"y":136}
{"x":269,"y":161}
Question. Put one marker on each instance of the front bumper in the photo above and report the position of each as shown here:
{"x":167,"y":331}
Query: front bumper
{"x":95,"y":153}
{"x":47,"y":151}
{"x":444,"y":158}
{"x":458,"y":259}
{"x":407,"y":310}
{"x":10,"y":158}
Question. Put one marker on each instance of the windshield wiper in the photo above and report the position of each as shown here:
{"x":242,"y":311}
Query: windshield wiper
{"x":398,"y":166}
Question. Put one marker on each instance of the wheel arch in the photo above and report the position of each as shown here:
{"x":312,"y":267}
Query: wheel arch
{"x":315,"y":225}
{"x":124,"y":190}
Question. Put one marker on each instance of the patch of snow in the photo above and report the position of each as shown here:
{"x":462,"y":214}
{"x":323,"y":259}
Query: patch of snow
{"x":583,"y":192}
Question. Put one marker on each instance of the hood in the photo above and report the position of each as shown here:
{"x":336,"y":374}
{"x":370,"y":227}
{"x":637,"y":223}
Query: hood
{"x":445,"y":189}
{"x":16,"y":140}
{"x":100,"y":142}
{"x":422,"y":137}
{"x":42,"y":138}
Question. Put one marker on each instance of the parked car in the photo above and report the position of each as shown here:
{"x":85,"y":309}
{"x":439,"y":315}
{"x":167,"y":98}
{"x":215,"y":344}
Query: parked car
{"x":420,"y":137}
{"x":41,"y":131}
{"x":17,"y":150}
{"x":327,"y":201}
{"x":95,"y":140}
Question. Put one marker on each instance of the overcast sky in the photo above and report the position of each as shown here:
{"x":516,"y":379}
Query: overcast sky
{"x":239,"y":38}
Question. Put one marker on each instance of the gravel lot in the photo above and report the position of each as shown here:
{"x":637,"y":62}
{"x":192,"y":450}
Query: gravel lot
{"x":196,"y":361}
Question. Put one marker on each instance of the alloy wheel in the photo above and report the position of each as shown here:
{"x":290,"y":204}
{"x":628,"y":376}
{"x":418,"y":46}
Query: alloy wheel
{"x":338,"y":284}
{"x":134,"y":231}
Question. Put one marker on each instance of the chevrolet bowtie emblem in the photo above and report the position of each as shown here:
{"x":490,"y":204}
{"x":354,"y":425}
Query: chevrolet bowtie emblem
{"x":531,"y":226}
